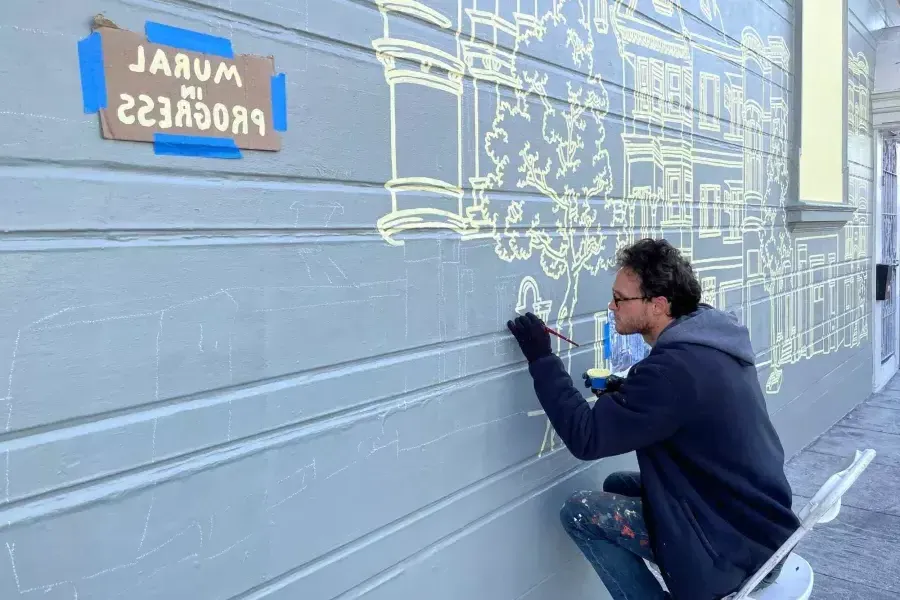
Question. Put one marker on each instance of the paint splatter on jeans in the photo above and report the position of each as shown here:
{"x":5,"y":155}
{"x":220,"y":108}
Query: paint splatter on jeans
{"x":609,"y":529}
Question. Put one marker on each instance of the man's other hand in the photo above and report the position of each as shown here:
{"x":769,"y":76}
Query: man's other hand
{"x":532,"y":336}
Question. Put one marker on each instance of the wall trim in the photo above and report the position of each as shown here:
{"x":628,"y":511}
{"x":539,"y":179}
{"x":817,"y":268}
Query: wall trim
{"x":809,"y":216}
{"x":886,"y":109}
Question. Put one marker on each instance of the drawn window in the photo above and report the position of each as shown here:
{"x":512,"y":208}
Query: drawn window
{"x":819,"y":293}
{"x":674,"y":204}
{"x":708,"y":290}
{"x":710,"y":198}
{"x":734,"y":212}
{"x":664,"y":7}
{"x":643,"y":85}
{"x":863,"y":111}
{"x":736,"y":110}
{"x":674,"y":192}
{"x":709,"y":102}
{"x":674,"y":92}
{"x":687,"y":91}
{"x":832,"y":297}
{"x":852,"y":113}
{"x":656,"y":79}
{"x":754,"y":269}
{"x":754,"y":176}
{"x":601,"y":16}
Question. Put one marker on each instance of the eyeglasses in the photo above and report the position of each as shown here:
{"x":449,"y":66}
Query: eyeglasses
{"x":615,"y":301}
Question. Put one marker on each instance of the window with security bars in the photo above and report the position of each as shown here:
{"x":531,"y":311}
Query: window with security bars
{"x":889,"y":247}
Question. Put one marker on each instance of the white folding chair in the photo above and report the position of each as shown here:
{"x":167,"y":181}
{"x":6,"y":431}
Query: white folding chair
{"x":795,"y":582}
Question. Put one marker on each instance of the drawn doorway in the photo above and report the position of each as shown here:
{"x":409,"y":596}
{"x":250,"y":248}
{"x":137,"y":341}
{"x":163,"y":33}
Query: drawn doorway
{"x":885,"y":313}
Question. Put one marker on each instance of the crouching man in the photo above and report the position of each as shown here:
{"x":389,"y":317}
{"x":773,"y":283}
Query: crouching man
{"x":711,"y":502}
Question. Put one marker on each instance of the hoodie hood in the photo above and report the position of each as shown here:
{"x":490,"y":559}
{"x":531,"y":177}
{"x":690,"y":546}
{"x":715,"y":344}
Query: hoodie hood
{"x":708,"y":326}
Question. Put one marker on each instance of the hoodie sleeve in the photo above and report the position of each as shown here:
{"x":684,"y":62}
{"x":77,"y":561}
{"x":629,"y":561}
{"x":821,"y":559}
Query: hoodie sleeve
{"x":643,"y":411}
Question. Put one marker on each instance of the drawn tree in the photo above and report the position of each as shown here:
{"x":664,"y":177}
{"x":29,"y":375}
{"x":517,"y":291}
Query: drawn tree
{"x":774,"y":241}
{"x":547,"y":140}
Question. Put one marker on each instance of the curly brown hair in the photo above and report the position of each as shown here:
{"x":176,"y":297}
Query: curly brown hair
{"x":663,"y":272}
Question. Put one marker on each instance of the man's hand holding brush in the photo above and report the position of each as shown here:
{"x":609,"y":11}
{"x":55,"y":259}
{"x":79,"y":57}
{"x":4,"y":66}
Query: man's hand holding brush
{"x":533,"y":336}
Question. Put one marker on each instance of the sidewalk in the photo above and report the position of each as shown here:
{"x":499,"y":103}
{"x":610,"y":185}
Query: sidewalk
{"x":858,"y":554}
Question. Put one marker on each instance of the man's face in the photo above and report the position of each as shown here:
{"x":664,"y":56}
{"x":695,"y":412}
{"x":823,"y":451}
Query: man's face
{"x":633,"y":313}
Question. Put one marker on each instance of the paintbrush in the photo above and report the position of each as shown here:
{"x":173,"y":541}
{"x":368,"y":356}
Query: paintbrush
{"x":559,"y":335}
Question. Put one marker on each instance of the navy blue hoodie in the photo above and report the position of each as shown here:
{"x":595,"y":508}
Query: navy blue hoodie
{"x":716,"y":500}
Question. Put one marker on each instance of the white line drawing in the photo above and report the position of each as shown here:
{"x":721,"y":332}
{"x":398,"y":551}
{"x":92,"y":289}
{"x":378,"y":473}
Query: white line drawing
{"x":704,"y":154}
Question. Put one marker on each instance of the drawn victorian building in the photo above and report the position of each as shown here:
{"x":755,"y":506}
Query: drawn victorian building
{"x":859,"y":152}
{"x":717,"y":160}
{"x":503,"y":130}
{"x":819,"y":302}
{"x":657,"y":105}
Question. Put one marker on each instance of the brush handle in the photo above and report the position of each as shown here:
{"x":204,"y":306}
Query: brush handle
{"x":559,"y":335}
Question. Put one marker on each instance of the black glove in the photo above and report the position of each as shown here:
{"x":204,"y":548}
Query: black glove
{"x":532,"y":336}
{"x":613,"y":383}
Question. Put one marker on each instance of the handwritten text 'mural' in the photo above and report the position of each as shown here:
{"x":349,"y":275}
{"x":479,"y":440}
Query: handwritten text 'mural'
{"x":159,"y":113}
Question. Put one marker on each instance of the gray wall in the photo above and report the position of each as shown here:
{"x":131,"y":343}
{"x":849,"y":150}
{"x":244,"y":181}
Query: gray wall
{"x":251,"y":379}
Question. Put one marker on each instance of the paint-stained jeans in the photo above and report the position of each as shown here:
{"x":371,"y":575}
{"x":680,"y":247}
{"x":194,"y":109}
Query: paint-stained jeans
{"x":609,"y":529}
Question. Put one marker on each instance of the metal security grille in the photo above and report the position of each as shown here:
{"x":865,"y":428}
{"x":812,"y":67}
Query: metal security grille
{"x":889,"y":246}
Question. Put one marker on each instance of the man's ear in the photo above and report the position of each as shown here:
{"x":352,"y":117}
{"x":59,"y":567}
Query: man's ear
{"x":661,"y":305}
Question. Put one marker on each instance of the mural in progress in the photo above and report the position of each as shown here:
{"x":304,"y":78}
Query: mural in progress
{"x":578,"y":126}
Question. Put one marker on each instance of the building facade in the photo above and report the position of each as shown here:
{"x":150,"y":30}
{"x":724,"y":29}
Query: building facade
{"x":289,"y":376}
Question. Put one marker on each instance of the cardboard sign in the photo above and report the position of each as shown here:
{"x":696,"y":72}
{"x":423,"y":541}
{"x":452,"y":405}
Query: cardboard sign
{"x":168,"y":93}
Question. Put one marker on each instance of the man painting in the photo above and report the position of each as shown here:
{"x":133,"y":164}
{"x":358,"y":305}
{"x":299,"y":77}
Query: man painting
{"x":711,"y":502}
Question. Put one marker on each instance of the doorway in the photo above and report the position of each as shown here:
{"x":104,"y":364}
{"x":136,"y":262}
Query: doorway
{"x":885,"y":315}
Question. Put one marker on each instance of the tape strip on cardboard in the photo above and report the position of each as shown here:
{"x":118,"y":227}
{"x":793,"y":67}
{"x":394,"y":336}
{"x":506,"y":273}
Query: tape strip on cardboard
{"x":93,"y":78}
{"x":166,"y":35}
{"x":279,"y":102}
{"x":195,"y":145}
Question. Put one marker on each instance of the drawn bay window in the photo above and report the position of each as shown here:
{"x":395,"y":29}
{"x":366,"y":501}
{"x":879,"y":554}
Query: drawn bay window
{"x":710,"y":209}
{"x":426,"y":193}
{"x":754,"y":174}
{"x":709,"y":102}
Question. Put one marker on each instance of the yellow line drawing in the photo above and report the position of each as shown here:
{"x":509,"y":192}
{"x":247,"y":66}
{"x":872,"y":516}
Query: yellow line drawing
{"x":701,"y":159}
{"x":538,"y":306}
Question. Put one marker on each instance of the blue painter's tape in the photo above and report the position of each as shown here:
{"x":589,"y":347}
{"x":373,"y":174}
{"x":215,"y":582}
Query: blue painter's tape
{"x":166,"y":35}
{"x":93,"y":79}
{"x":279,"y":102}
{"x":607,"y":343}
{"x":195,"y":145}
